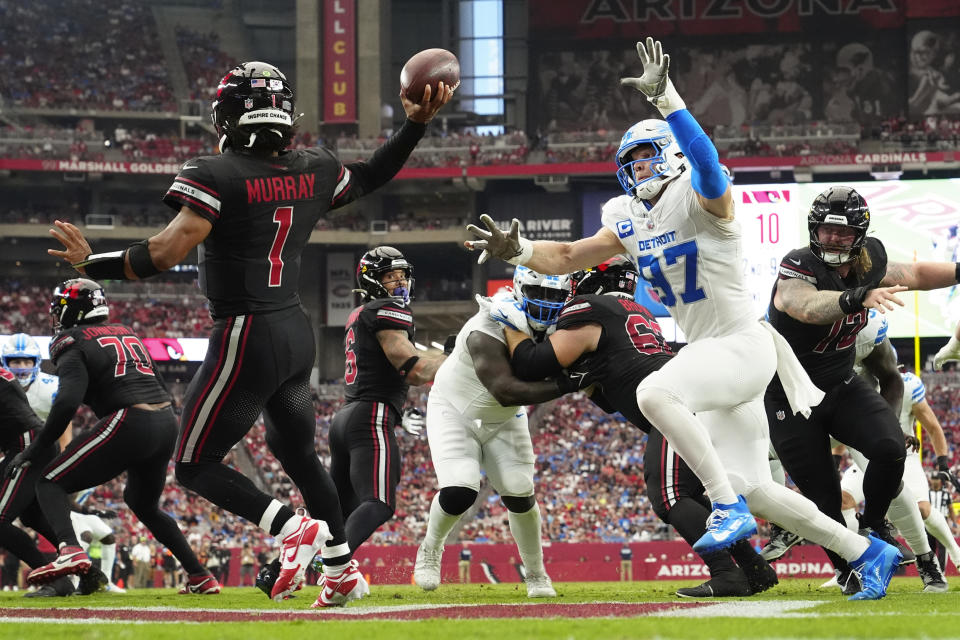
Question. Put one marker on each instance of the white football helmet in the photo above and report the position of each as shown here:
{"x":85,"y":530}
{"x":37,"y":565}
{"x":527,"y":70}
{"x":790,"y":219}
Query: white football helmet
{"x":21,"y":346}
{"x":666,"y":164}
{"x":542,"y":296}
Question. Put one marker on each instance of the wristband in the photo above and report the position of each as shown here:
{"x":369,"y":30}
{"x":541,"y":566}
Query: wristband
{"x":408,"y":366}
{"x":851,"y":300}
{"x":956,"y":272}
{"x":140,"y":261}
{"x":103,"y":266}
{"x":526,"y":252}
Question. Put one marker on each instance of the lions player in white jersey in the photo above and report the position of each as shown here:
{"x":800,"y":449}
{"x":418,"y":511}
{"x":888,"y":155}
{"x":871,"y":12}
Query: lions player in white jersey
{"x":677,"y":222}
{"x":21,"y":356}
{"x":477,"y":419}
{"x":949,"y":352}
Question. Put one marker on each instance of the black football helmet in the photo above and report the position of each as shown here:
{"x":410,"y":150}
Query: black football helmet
{"x":254,"y":103}
{"x":78,"y":301}
{"x":839,"y":206}
{"x":615,"y":276}
{"x":377,"y":262}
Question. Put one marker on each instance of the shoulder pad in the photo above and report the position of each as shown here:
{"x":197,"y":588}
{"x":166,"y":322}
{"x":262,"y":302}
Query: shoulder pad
{"x":60,"y":344}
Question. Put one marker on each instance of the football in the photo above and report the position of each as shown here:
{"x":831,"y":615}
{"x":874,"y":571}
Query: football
{"x":430,"y":66}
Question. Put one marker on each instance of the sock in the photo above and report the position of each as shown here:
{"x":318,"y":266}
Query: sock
{"x":905,"y":515}
{"x":776,"y":470}
{"x":107,"y":560}
{"x":937,"y":525}
{"x":689,"y":438}
{"x":881,"y":482}
{"x":56,"y":507}
{"x":850,"y":517}
{"x":439,"y":525}
{"x":336,"y":558}
{"x":745,"y":555}
{"x":525,"y":528}
{"x":796,"y":513}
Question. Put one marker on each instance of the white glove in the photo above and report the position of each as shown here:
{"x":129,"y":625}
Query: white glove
{"x":506,"y":310}
{"x":413,"y":421}
{"x":655,"y":82}
{"x":950,"y":351}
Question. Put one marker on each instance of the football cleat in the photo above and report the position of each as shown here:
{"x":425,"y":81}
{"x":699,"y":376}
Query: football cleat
{"x":59,"y":588}
{"x":336,"y":592}
{"x":91,"y":582}
{"x":426,"y":571}
{"x":204,"y":584}
{"x":780,"y":542}
{"x":885,"y":533}
{"x":69,"y":560}
{"x":540,"y":586}
{"x":296,"y":551}
{"x":929,"y":569}
{"x":760,"y":577}
{"x":726,"y":525}
{"x":112,"y":588}
{"x":726,"y":584}
{"x":874,"y":569}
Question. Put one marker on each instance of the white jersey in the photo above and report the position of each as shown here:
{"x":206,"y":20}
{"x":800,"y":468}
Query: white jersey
{"x":456,"y":380}
{"x":41,"y":393}
{"x":913,"y":393}
{"x":690,"y":257}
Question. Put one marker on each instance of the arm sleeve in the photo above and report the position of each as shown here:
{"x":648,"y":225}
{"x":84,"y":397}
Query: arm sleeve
{"x":385,"y":163}
{"x":535,"y":361}
{"x":708,"y":178}
{"x":73,"y":386}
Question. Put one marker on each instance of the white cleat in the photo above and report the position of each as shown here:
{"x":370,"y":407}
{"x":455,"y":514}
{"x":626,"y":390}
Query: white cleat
{"x":426,"y":571}
{"x":540,"y":586}
{"x":832,"y":582}
{"x":112,"y":588}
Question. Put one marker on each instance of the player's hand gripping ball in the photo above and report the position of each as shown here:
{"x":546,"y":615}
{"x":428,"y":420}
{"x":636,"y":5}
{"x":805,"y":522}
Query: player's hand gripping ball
{"x":430,"y":66}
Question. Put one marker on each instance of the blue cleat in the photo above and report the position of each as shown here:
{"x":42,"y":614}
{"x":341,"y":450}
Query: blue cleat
{"x":875,"y":568}
{"x":728,"y":524}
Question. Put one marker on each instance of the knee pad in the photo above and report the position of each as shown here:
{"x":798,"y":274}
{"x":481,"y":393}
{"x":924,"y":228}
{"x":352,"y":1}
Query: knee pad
{"x":456,"y":500}
{"x":518,"y":504}
{"x":656,"y":404}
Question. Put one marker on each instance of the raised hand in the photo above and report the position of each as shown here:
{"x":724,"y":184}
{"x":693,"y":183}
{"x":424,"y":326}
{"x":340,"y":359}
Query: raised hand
{"x":429,"y":105}
{"x":655,"y":82}
{"x":76,"y":248}
{"x":493,"y":242}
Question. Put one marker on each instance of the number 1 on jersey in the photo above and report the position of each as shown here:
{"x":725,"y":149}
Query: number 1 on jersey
{"x":283,"y":216}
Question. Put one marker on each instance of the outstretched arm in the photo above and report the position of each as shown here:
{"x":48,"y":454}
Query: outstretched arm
{"x":708,"y":179}
{"x":543,"y":256}
{"x":802,"y":301}
{"x":922,"y":275}
{"x":398,"y":349}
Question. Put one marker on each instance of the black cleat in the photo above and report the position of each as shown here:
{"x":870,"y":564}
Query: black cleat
{"x":760,"y":576}
{"x":59,"y":588}
{"x":729,"y":584}
{"x":885,"y":533}
{"x":92,"y":581}
{"x":849,"y":582}
{"x":929,"y":569}
{"x":780,"y":542}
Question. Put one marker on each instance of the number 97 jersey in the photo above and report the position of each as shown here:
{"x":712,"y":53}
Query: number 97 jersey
{"x":691,"y":258}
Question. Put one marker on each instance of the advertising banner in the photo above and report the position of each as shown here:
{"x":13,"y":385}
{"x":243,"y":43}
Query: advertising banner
{"x":339,"y":52}
{"x":341,"y":271}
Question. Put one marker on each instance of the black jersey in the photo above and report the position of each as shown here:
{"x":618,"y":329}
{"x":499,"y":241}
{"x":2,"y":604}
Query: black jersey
{"x":826,"y":351}
{"x":369,"y":374}
{"x":16,"y":416}
{"x":630,"y":348}
{"x":263,"y":210}
{"x":116,"y":366}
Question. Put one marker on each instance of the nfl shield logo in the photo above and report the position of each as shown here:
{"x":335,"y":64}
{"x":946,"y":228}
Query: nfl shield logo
{"x":248,"y":103}
{"x":781,"y":415}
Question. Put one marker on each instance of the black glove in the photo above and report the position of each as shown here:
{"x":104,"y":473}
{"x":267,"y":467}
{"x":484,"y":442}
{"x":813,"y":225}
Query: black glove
{"x":105,"y":513}
{"x":449,"y":344}
{"x":912,"y":443}
{"x":943,"y":464}
{"x":21,"y":461}
{"x":570,"y":381}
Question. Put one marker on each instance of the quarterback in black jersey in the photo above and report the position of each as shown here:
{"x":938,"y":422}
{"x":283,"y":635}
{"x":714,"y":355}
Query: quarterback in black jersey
{"x":820,"y":304}
{"x":251,"y":210}
{"x":607,"y":343}
{"x":107,"y":367}
{"x":381,"y":363}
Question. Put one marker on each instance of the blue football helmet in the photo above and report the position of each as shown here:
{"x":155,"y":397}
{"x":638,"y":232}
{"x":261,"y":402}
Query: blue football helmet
{"x":21,"y":346}
{"x":542,"y":296}
{"x":666,"y":164}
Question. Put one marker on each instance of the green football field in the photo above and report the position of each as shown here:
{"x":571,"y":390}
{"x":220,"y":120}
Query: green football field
{"x":603,"y":611}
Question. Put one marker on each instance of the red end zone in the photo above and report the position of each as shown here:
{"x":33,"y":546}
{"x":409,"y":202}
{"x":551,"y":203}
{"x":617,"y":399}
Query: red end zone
{"x":415,"y":612}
